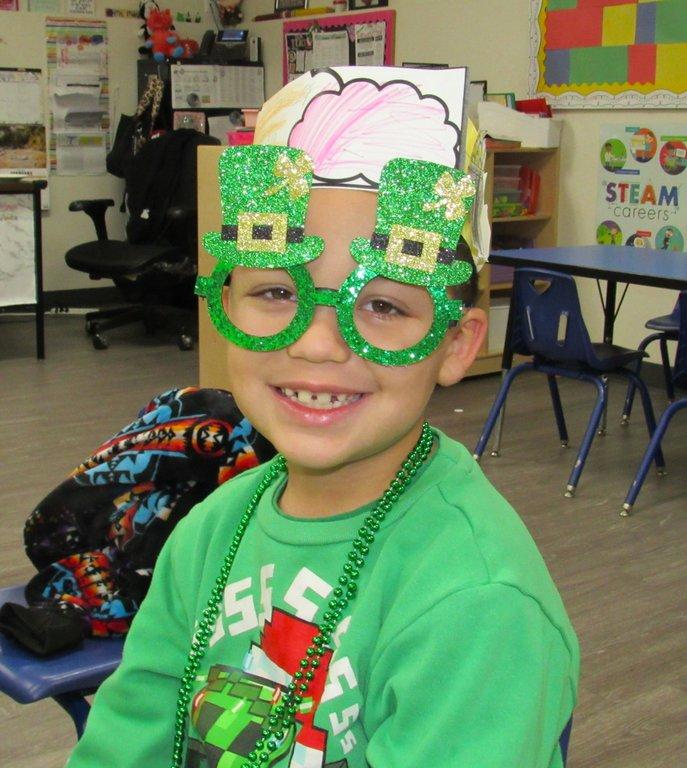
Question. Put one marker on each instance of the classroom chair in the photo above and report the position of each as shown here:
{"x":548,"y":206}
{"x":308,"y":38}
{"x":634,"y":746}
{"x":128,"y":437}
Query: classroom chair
{"x":155,"y":268}
{"x":547,"y":324}
{"x":666,"y":329}
{"x":68,"y":677}
{"x":679,"y":379}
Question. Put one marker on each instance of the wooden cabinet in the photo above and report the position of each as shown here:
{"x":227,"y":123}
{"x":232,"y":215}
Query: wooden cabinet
{"x":538,"y":229}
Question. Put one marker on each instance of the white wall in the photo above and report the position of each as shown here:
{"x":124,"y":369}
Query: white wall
{"x":22,"y":44}
{"x":492,"y":38}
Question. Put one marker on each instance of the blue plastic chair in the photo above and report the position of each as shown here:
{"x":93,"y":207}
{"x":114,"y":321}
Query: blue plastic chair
{"x":666,"y":329}
{"x":679,"y":379}
{"x":564,"y":741}
{"x":67,"y":677}
{"x":547,"y":324}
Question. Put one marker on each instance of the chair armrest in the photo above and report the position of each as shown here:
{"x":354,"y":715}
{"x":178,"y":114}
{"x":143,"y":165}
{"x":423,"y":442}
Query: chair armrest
{"x":96,"y":210}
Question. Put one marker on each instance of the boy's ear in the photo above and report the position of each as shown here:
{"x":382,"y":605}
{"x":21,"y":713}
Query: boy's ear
{"x":462,"y":345}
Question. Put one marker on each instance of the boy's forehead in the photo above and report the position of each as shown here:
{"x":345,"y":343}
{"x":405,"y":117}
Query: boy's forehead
{"x":338,"y":216}
{"x":341,"y":214}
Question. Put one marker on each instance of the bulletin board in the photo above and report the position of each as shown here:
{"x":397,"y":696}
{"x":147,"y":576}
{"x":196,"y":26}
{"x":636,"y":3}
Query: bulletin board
{"x":599,"y":54}
{"x":364,"y":38}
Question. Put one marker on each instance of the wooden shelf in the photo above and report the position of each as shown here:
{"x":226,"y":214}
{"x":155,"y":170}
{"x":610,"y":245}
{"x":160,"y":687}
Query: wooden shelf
{"x":508,"y":150}
{"x":540,"y":228}
{"x":529,"y":217}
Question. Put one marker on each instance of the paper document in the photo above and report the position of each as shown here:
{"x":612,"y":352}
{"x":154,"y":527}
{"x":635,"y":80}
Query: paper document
{"x":330,"y":49}
{"x":370,"y":40}
{"x":210,"y":86}
{"x":80,"y":154}
{"x":22,"y":124}
{"x":20,"y":97}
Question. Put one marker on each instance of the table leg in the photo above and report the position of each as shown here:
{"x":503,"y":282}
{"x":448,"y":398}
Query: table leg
{"x":609,"y":311}
{"x":38,"y":260}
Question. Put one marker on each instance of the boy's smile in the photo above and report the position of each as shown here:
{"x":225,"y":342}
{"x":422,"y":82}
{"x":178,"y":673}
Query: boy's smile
{"x":343,"y":423}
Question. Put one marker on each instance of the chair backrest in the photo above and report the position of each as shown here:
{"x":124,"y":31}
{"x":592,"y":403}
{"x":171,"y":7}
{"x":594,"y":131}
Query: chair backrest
{"x":547,"y":319}
{"x":163,"y":175}
{"x":680,"y":367}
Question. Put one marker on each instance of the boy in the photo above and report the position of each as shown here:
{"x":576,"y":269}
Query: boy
{"x":366,"y":598}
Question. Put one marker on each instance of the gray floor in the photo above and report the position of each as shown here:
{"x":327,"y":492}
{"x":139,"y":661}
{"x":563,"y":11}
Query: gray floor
{"x":624,"y":581}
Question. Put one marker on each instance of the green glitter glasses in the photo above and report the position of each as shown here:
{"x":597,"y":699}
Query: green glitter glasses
{"x":393,"y":309}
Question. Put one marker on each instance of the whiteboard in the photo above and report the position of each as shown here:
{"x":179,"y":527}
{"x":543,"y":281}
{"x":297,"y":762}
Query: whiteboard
{"x":17,"y":265}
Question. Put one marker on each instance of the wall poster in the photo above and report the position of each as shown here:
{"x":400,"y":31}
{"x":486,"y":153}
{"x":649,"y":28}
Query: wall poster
{"x":79,"y":95}
{"x":600,"y":54}
{"x":642,"y":174}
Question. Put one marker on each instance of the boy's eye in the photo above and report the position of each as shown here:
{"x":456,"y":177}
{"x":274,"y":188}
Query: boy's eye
{"x":383,"y":307}
{"x":275,"y":293}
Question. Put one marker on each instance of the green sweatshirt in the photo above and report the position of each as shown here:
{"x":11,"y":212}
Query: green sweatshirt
{"x":456,"y":653}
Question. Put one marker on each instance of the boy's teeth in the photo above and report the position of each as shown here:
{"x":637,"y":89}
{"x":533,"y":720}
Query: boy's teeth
{"x":323,"y":400}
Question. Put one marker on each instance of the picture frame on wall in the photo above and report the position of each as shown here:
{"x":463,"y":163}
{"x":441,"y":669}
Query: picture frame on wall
{"x":289,"y":5}
{"x":364,"y":5}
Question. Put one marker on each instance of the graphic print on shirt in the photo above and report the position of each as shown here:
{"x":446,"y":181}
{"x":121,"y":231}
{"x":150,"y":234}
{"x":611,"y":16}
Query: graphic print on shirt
{"x":234,"y":705}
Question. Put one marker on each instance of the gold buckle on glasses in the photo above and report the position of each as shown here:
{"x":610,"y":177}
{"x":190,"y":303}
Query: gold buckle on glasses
{"x":262,"y":232}
{"x":415,"y":248}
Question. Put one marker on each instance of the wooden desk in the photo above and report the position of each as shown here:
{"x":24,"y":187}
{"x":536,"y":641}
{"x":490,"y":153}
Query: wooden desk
{"x":33,"y":187}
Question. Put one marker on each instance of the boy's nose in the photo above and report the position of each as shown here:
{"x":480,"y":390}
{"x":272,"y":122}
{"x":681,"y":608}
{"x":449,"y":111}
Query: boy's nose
{"x":321,"y":342}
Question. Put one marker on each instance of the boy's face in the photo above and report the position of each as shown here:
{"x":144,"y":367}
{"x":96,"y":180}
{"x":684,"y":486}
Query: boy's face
{"x":286,"y":393}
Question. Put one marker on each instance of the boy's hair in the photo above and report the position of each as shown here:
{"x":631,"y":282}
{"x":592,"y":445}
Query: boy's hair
{"x":467,"y":292}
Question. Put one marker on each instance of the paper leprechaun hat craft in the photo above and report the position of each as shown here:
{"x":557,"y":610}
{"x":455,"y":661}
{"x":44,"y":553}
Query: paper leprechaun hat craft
{"x":421,"y":210}
{"x":264,"y":193}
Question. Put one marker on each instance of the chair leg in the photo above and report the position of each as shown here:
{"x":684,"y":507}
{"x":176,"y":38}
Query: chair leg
{"x":496,"y":409}
{"x":649,"y":418}
{"x":604,"y":415}
{"x":652,"y":448}
{"x":558,"y":410}
{"x":629,"y":396}
{"x":667,"y":371}
{"x":586,"y":444}
{"x":75,"y":704}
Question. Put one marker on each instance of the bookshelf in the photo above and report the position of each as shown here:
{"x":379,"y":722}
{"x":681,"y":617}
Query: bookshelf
{"x":539,"y":229}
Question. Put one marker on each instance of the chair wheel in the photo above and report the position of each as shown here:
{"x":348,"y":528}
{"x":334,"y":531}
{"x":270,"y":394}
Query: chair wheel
{"x":185,"y":342}
{"x":100,"y":342}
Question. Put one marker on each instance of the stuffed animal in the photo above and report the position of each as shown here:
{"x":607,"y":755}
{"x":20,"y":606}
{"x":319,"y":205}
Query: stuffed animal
{"x":230,"y":12}
{"x":164,"y":41}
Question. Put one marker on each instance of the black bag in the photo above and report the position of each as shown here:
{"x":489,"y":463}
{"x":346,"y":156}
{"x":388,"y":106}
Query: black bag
{"x":122,"y":151}
{"x":133,"y":131}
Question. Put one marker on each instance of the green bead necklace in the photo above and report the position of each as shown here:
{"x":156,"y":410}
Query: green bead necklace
{"x":282,"y":719}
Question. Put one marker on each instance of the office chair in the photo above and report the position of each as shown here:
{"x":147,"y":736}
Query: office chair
{"x":666,"y":327}
{"x":547,"y":324}
{"x":155,"y":267}
{"x":68,"y":676}
{"x":679,"y":379}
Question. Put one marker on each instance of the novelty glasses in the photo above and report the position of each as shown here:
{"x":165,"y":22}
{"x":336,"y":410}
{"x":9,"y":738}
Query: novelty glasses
{"x":392,"y":309}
